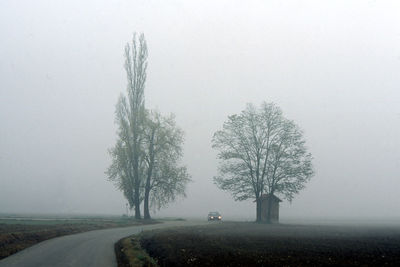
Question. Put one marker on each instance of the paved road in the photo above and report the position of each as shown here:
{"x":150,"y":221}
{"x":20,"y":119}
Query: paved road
{"x":94,"y":248}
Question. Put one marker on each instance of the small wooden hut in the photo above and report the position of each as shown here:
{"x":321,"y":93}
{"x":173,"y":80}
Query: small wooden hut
{"x":265,"y":198}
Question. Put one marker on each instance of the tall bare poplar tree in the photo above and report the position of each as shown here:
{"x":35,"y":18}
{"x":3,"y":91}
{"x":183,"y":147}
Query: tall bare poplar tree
{"x":126,"y":155}
{"x":261,"y":152}
{"x":146,"y":157}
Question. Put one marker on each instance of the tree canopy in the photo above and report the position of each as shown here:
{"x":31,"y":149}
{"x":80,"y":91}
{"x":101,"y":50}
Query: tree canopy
{"x":261,"y":152}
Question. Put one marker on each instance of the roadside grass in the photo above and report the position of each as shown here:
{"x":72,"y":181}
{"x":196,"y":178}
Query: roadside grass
{"x":168,"y":219}
{"x":19,"y":233}
{"x":130,"y":254}
{"x":51,"y":220}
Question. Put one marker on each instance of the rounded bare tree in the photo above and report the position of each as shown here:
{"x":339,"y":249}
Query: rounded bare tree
{"x":261,"y":152}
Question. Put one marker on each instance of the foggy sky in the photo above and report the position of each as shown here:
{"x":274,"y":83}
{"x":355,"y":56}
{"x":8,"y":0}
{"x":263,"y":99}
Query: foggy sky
{"x":332,"y":66}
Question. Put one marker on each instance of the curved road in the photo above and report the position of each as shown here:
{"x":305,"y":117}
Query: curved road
{"x":94,"y":248}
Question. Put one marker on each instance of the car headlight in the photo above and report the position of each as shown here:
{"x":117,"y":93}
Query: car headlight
{"x":219,"y":217}
{"x":212,"y":217}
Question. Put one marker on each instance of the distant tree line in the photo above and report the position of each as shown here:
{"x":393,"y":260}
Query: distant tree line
{"x":146,"y":157}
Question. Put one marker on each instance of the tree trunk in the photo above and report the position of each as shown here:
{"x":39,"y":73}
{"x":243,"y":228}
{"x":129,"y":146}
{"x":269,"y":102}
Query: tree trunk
{"x":258,"y":209}
{"x":149,"y":176}
{"x":137,"y":193}
{"x":137,"y":202}
{"x":146,"y":200}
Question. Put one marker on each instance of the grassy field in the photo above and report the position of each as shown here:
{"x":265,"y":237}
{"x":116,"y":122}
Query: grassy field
{"x":17,"y":233}
{"x":250,"y":244}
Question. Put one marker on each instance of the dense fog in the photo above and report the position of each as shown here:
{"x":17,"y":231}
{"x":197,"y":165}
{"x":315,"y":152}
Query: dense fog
{"x":332,"y":66}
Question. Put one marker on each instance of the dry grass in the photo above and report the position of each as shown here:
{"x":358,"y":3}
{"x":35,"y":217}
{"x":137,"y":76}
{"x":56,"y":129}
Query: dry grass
{"x":130,"y":253}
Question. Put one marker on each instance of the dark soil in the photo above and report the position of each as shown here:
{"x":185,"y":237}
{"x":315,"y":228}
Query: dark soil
{"x":250,"y":244}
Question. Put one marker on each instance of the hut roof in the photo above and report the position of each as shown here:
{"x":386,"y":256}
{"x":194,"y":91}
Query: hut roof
{"x":265,"y":196}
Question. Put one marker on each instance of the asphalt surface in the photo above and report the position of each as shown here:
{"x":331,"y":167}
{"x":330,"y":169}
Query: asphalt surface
{"x":94,"y":248}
